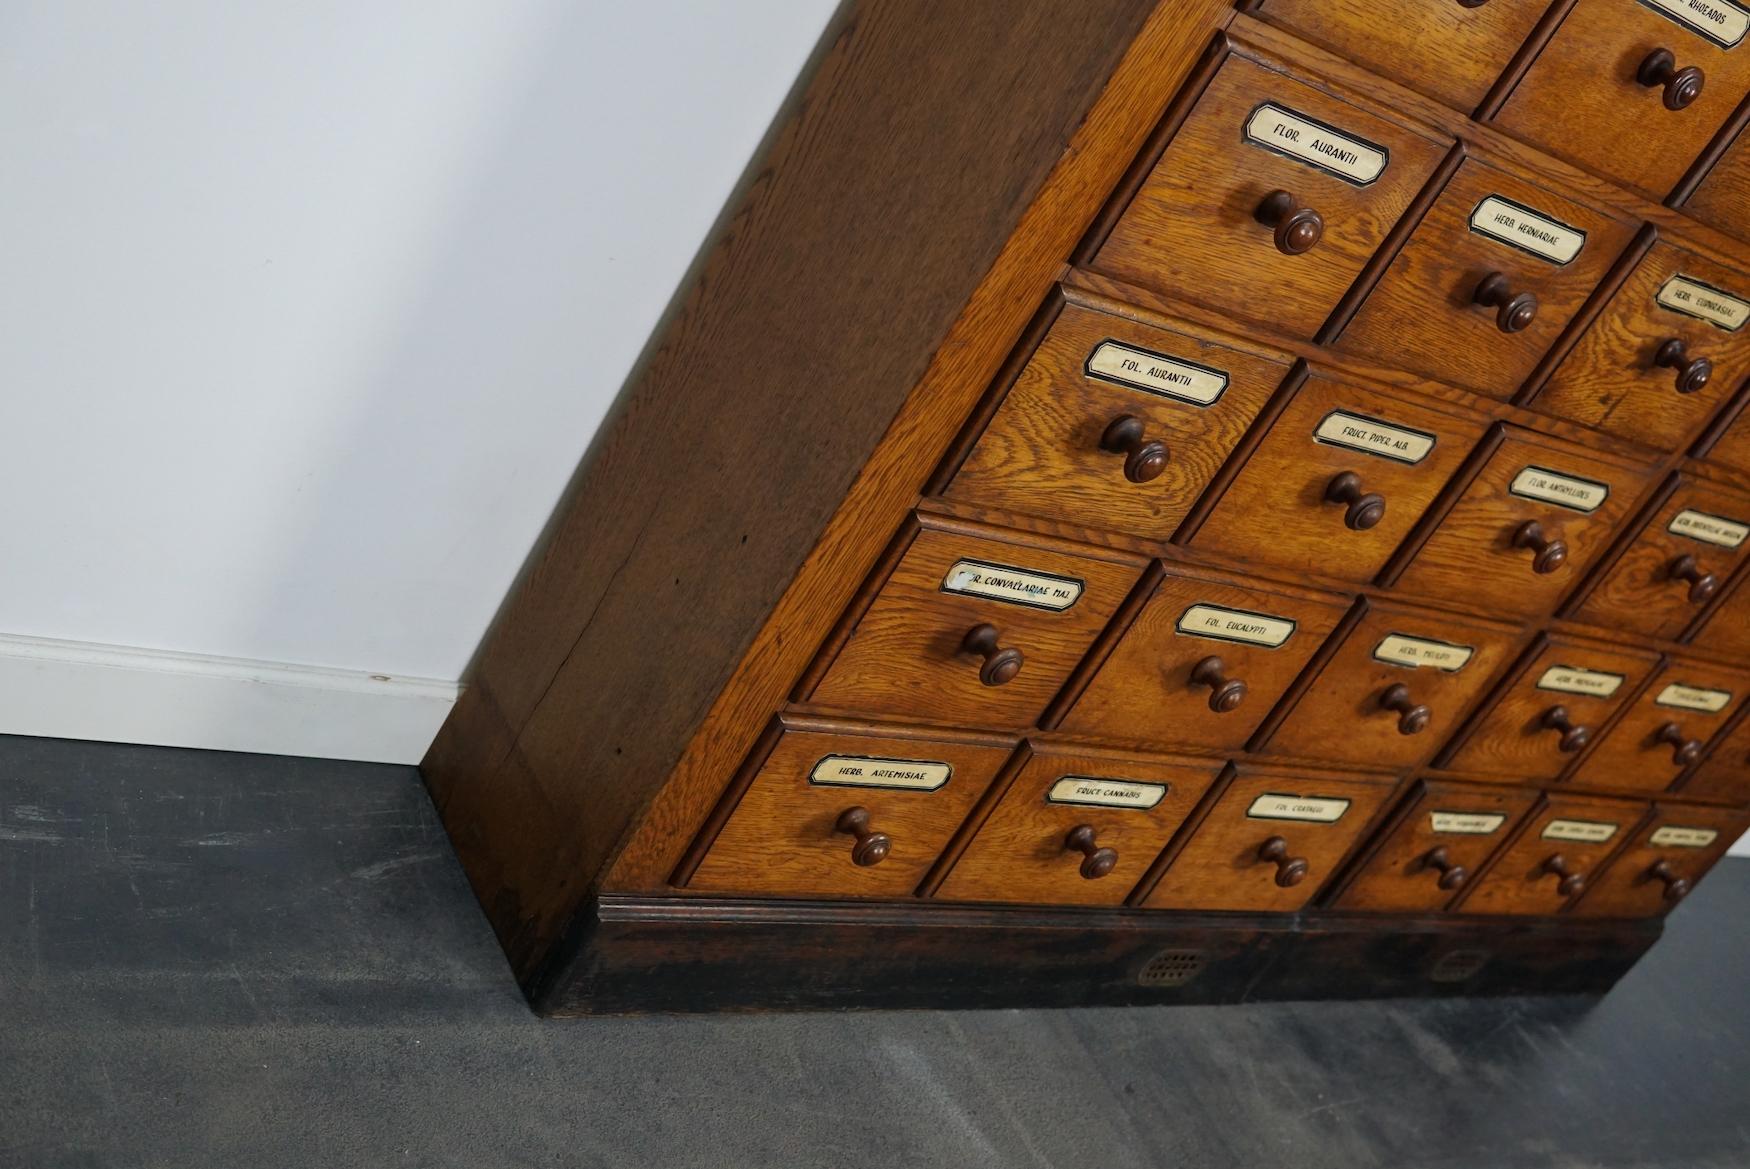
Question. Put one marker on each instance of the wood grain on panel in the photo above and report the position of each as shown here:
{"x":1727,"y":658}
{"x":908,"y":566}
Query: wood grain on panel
{"x":1669,"y":854}
{"x":1562,"y":849}
{"x":1666,"y":729}
{"x":1722,"y":201}
{"x":1724,"y":774}
{"x":1435,"y":846}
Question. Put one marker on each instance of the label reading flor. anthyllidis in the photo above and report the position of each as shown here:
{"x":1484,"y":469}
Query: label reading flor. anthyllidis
{"x":1518,"y":226}
{"x":1156,"y":373}
{"x":1709,"y":529}
{"x":1093,"y":792}
{"x":919,"y":775}
{"x":1569,"y":491}
{"x":1352,"y":159}
{"x":1704,"y":302}
{"x":1415,"y":652}
{"x":1313,"y":809}
{"x":1466,"y":823}
{"x":1222,"y":624}
{"x":1720,"y":21}
{"x":1571,"y":680}
{"x":1371,"y":436}
{"x":1013,"y":586}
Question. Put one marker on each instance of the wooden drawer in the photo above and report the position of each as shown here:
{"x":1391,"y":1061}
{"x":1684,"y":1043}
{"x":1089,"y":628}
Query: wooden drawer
{"x":1340,"y":478}
{"x":1661,"y":356}
{"x":976,"y":627}
{"x":1722,"y":199}
{"x":1434,"y":846}
{"x":1487,"y":282}
{"x":1683,"y":555}
{"x":1268,"y":198}
{"x":1527,"y":526}
{"x":1725,"y":773}
{"x":1271,"y":840}
{"x":797,"y":832}
{"x":1549,"y":709}
{"x":1205,"y":660}
{"x":1115,"y":424}
{"x":1666,"y":729}
{"x":1670,"y":853}
{"x":1725,"y":632}
{"x":1732,"y":447}
{"x":1562,"y":848}
{"x":1396,"y":689}
{"x":1450,"y":51}
{"x":1078,"y":827}
{"x":1592,"y":96}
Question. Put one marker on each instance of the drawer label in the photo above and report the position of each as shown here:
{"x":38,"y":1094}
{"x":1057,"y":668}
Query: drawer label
{"x":1673,"y":836}
{"x":1518,"y":226}
{"x":1580,"y":831}
{"x":1692,"y":298}
{"x":1591,"y":683}
{"x":1569,"y":491}
{"x":1694,"y":698}
{"x":1313,"y":809}
{"x":1013,"y":586}
{"x":917,"y":775}
{"x":1354,"y":160}
{"x":1402,"y":650}
{"x":1720,"y":21}
{"x":1371,"y":436}
{"x":1709,"y":529}
{"x":1235,"y":625}
{"x":1105,"y":793}
{"x":1467,"y":823}
{"x":1156,"y":373}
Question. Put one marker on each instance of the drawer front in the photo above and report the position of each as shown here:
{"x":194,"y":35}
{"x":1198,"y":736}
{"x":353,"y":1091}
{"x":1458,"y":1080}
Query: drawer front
{"x":834,"y":813}
{"x":1726,"y":632}
{"x":1670,"y":853}
{"x":1339,"y":480}
{"x":1561,"y":851}
{"x":1078,"y":828}
{"x":1550,"y":710}
{"x":1678,"y":563}
{"x":1205,"y":660}
{"x":1527,"y":526}
{"x":1268,"y":200}
{"x":1597,"y":97}
{"x":1722,"y":200}
{"x":1270,"y":842}
{"x":1487,"y":282}
{"x":1395,"y":690}
{"x":1662,"y":355}
{"x":1666,"y":729}
{"x":1725,"y":773}
{"x":1115,"y":424}
{"x":1732,"y":449}
{"x":980,"y":630}
{"x":1435,"y":847}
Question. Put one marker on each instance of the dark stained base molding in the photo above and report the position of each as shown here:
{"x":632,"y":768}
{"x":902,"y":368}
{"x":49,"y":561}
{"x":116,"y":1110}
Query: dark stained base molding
{"x":691,"y":955}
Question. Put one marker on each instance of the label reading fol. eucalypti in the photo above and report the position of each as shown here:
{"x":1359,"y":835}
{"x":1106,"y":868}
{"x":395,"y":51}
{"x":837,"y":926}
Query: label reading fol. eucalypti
{"x":1720,"y":21}
{"x":1416,"y":652}
{"x":1466,"y":823}
{"x":1673,"y":836}
{"x":1371,"y":436}
{"x":1315,"y":809}
{"x":1518,"y":226}
{"x":1156,"y":373}
{"x":1692,"y":298}
{"x":1567,"y":491}
{"x":1105,"y":793}
{"x":1709,"y":529}
{"x":1354,"y":160}
{"x":858,"y":771}
{"x":1580,"y":831}
{"x":1591,"y":683}
{"x":1694,"y":698}
{"x":1014,"y":586}
{"x":1235,"y":625}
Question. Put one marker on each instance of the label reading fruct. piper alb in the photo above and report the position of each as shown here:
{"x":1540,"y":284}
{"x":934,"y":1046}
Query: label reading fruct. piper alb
{"x":1373,"y":437}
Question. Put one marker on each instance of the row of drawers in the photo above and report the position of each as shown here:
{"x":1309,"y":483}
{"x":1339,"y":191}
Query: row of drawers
{"x":859,"y":811}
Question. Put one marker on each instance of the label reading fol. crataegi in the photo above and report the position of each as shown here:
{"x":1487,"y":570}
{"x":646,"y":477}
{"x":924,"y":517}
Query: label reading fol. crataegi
{"x":1569,"y":491}
{"x":1371,"y":436}
{"x":918,"y":775}
{"x":1466,"y":823}
{"x":1720,"y":21}
{"x":1014,"y":586}
{"x":1673,"y":836}
{"x":1105,"y":793}
{"x":1315,"y":809}
{"x":1235,"y":625}
{"x":1709,"y":529}
{"x":1694,"y":698}
{"x":1156,"y":373}
{"x":1354,"y":160}
{"x":1692,"y":298}
{"x":1401,"y":650}
{"x":1518,"y":226}
{"x":1580,"y":831}
{"x":1569,"y":680}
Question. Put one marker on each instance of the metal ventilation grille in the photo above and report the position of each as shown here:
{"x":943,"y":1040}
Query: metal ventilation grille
{"x":1171,"y":968}
{"x":1458,"y":965}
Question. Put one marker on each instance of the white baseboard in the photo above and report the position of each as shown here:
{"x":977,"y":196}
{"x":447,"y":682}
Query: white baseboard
{"x":75,"y":690}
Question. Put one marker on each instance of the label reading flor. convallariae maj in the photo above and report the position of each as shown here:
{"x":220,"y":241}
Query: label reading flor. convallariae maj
{"x":1571,"y":680}
{"x":1239,"y":625}
{"x":1092,"y":792}
{"x":1709,"y":529}
{"x":917,"y":775}
{"x":1416,"y":652}
{"x":1694,"y":698}
{"x":1156,"y":373}
{"x":1518,"y":226}
{"x":1371,"y":436}
{"x":1677,"y":836}
{"x":1466,"y":823}
{"x":1704,"y":302}
{"x":1012,"y":586}
{"x":1580,"y":831}
{"x":1313,"y":809}
{"x":1569,"y":491}
{"x":1352,"y":159}
{"x":1720,"y":21}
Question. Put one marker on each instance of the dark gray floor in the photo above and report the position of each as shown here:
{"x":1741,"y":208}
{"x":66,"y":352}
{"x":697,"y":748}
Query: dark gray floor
{"x":222,"y":960}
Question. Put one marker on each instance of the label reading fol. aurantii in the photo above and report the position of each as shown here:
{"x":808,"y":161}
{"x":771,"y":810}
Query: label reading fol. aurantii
{"x":1518,"y":226}
{"x":1569,"y":491}
{"x":1416,"y":652}
{"x":917,"y":775}
{"x":1156,"y":373}
{"x":1354,"y":160}
{"x":1105,"y":793}
{"x":1466,"y":823}
{"x":1314,"y":809}
{"x":1591,"y":683}
{"x":1014,"y":586}
{"x":1580,"y":831}
{"x":1694,"y":698}
{"x":1371,"y":436}
{"x":1692,"y":298}
{"x":1673,"y":836}
{"x":1720,"y":21}
{"x":1709,"y":529}
{"x":1235,"y":625}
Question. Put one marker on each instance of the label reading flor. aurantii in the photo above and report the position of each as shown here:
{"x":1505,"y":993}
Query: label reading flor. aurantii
{"x":1580,"y":831}
{"x":1235,"y":625}
{"x":1416,"y":652}
{"x":1569,"y":680}
{"x":1314,"y":809}
{"x":1466,"y":823}
{"x":1720,"y":21}
{"x":1105,"y":793}
{"x":1569,"y":491}
{"x":1709,"y":529}
{"x":1694,"y":698}
{"x":1518,"y":226}
{"x":1014,"y":586}
{"x":918,"y":775}
{"x":1674,"y":836}
{"x":1156,"y":373}
{"x":1354,"y":160}
{"x":1692,"y":298}
{"x":1371,"y":436}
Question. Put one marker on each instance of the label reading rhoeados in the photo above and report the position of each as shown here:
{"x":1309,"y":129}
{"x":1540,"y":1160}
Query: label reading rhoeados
{"x":1354,"y":160}
{"x":1156,"y":373}
{"x":1013,"y":586}
{"x":1720,"y":21}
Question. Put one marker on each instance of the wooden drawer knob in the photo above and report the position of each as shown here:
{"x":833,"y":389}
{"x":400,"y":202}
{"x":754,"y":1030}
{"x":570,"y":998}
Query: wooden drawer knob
{"x":1676,"y":887}
{"x":1573,"y":738}
{"x":1298,"y":229}
{"x":1684,"y":750}
{"x":1570,"y":882}
{"x":1451,"y":875}
{"x":1096,"y":861}
{"x":1702,"y":585}
{"x":1225,"y":693}
{"x":1692,"y":372}
{"x":1472,"y":3}
{"x":1000,"y":665}
{"x":1144,"y":458}
{"x":1364,"y":509}
{"x":1513,"y":310}
{"x":871,"y":847}
{"x":1547,"y":554}
{"x":1413,"y":718}
{"x":1682,"y":86}
{"x":1290,"y":870}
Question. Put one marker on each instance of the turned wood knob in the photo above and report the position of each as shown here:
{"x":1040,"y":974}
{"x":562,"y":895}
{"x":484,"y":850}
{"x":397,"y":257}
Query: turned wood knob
{"x":1413,"y":718}
{"x":871,"y":847}
{"x":1298,"y":229}
{"x":1472,"y":3}
{"x":1451,"y":875}
{"x":1363,"y":509}
{"x":1675,"y":886}
{"x":1702,"y":585}
{"x":1290,"y":870}
{"x":1570,"y":883}
{"x":1692,"y":372}
{"x":1096,"y":861}
{"x":1513,"y":310}
{"x":1574,"y":738}
{"x":1547,"y":554}
{"x":1225,"y":693}
{"x":1684,"y":751}
{"x":1144,"y":458}
{"x":1000,"y":665}
{"x":1682,"y":86}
